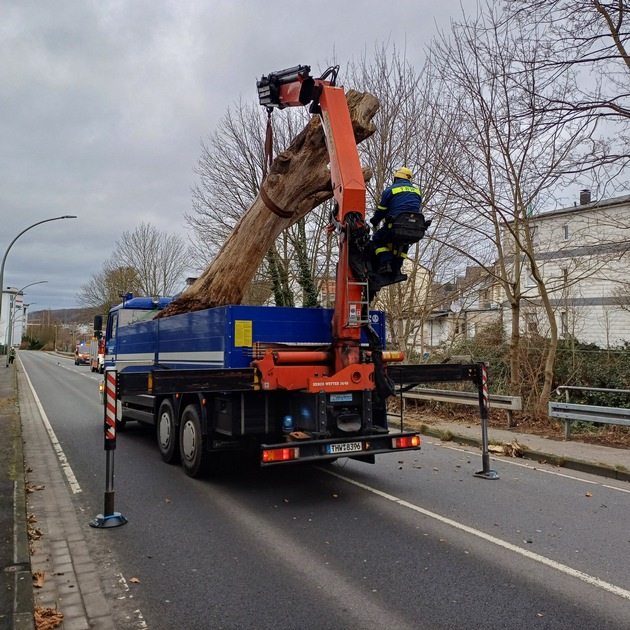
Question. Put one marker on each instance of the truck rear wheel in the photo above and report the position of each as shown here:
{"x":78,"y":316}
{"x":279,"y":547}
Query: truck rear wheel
{"x":192,"y":442}
{"x":166,"y":431}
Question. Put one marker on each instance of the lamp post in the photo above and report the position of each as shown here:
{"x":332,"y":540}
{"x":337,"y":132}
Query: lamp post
{"x":4,"y":258}
{"x":11,"y":308}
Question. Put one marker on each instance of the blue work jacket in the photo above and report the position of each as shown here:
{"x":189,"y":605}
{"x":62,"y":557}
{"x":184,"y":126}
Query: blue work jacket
{"x":401,"y":196}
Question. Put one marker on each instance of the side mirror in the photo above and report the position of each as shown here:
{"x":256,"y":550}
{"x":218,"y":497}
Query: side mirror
{"x":98,"y":325}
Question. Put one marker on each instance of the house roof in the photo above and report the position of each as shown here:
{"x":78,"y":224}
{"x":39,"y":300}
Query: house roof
{"x":602,"y":204}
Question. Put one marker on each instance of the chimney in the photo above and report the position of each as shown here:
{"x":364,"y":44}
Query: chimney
{"x":585,"y":196}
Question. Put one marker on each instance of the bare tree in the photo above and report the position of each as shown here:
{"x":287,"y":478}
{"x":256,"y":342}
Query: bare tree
{"x":407,"y":134}
{"x":587,"y":42}
{"x":160,"y":260}
{"x":589,"y":34}
{"x":230,"y":171}
{"x":105,"y":287}
{"x":512,"y":156}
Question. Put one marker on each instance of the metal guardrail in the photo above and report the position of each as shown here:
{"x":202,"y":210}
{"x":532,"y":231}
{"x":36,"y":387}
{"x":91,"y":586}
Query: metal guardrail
{"x":509,"y":403}
{"x":569,"y":412}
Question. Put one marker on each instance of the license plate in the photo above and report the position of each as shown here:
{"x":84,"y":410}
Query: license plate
{"x":345,"y":447}
{"x":341,"y":398}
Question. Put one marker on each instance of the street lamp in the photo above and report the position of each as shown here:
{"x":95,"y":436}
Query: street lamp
{"x":11,"y":308}
{"x":4,"y":258}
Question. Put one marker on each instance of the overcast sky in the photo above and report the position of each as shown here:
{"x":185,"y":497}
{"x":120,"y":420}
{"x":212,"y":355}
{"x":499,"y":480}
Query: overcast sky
{"x":104,"y":105}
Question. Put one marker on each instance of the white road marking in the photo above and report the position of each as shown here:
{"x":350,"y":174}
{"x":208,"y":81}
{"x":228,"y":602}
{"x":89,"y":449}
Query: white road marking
{"x":512,"y":462}
{"x":141,"y":622}
{"x":563,"y":568}
{"x":61,"y":456}
{"x":614,"y":488}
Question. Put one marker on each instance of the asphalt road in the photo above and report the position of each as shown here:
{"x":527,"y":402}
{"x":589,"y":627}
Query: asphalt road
{"x":415,"y":541}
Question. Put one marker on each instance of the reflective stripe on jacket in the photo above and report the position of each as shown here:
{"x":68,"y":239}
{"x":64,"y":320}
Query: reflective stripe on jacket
{"x":401,"y":196}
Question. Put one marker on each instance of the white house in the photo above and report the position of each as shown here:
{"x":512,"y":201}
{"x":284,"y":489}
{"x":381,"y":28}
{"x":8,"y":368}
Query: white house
{"x":14,"y":310}
{"x":463,"y":307}
{"x":583,"y":254}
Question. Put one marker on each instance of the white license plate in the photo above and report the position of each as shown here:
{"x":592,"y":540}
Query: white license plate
{"x":345,"y":447}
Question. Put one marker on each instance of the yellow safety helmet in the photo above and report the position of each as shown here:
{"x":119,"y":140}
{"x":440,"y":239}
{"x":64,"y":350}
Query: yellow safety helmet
{"x":403,"y":173}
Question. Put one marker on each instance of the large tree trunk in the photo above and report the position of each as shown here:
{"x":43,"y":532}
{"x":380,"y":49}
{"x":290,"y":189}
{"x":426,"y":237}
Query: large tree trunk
{"x":298,"y":182}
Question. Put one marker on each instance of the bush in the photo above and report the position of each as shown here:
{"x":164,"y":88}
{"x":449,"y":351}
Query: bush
{"x":577,"y":364}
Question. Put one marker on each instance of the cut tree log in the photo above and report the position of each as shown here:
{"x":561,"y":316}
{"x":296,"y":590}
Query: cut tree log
{"x":298,"y":182}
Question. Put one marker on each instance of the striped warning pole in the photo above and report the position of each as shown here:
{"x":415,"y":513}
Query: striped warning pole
{"x":109,"y":518}
{"x":482,"y":386}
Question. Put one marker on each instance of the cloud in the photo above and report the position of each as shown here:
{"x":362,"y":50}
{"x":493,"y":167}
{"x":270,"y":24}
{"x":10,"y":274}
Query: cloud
{"x":104,"y":105}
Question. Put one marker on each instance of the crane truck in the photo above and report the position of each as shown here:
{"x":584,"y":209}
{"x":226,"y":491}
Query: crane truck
{"x":286,"y":384}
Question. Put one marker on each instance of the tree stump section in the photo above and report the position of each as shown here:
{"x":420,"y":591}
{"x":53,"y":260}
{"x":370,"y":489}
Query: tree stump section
{"x":298,"y":181}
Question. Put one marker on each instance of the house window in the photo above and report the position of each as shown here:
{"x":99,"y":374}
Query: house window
{"x":529,"y":279}
{"x":565,"y":232}
{"x":531,"y":323}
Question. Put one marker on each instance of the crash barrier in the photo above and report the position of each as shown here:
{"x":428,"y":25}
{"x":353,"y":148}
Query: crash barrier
{"x":509,"y":403}
{"x":569,"y":412}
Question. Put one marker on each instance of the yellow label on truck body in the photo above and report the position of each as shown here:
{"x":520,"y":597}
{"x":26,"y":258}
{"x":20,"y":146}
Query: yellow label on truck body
{"x":243,"y":333}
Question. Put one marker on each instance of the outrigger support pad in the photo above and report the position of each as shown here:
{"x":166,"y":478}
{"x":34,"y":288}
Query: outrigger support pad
{"x":113,"y":520}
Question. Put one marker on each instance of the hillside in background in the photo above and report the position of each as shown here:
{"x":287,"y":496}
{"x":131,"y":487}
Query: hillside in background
{"x":63,"y":315}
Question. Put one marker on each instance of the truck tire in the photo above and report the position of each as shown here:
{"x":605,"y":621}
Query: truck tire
{"x":192,"y":442}
{"x":166,"y":431}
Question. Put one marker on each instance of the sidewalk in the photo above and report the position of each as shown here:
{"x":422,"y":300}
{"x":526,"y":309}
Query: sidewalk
{"x":16,"y":586}
{"x":59,"y":554}
{"x":71,"y":582}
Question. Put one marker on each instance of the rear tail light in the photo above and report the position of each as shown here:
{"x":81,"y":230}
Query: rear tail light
{"x":280,"y":454}
{"x":409,"y":441}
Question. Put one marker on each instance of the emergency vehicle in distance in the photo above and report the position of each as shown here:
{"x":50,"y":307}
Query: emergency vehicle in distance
{"x":82,"y":353}
{"x":97,"y":354}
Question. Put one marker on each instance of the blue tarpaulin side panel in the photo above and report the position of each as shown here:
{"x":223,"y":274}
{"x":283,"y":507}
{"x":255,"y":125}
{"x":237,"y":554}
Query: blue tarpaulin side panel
{"x":223,"y":337}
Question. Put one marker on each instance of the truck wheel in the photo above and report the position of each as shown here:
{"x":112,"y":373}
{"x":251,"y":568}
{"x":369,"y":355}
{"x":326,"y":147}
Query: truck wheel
{"x":166,"y":431}
{"x":192,"y":442}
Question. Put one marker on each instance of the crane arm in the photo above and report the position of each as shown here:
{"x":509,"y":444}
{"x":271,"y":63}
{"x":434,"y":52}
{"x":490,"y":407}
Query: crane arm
{"x":294,"y":87}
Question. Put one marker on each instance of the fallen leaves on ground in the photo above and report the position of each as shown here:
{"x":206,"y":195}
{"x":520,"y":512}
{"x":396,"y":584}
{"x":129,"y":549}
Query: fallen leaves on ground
{"x":32,"y":488}
{"x":134,"y":581}
{"x":47,"y":618}
{"x":38,"y":578}
{"x":511,"y":449}
{"x":589,"y":494}
{"x":34,"y":533}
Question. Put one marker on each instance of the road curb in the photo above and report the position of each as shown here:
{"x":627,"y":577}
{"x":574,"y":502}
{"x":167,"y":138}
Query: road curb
{"x":538,"y":456}
{"x":13,"y":473}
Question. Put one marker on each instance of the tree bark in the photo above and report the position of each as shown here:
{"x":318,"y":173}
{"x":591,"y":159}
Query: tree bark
{"x":298,"y":182}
